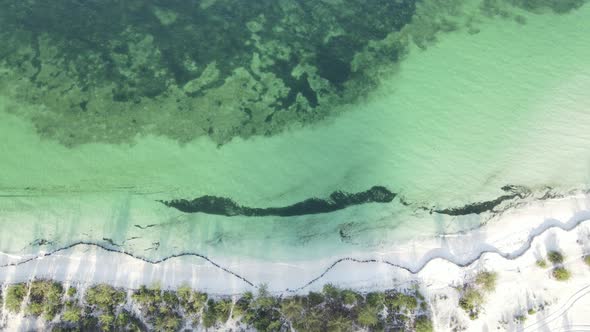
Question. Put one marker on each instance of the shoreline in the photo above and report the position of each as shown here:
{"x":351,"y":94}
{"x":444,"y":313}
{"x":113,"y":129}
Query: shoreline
{"x":503,"y":236}
{"x":504,"y":245}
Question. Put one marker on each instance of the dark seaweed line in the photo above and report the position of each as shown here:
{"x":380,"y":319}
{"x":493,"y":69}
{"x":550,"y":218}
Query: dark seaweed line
{"x":337,"y":200}
{"x":150,"y":261}
{"x":509,"y":256}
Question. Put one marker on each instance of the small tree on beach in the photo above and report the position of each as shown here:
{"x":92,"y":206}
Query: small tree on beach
{"x":561,"y":274}
{"x":471,"y":301}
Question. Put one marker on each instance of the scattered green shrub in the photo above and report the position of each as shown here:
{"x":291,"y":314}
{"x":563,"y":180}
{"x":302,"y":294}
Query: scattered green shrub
{"x":293,"y":309}
{"x":184,"y":293}
{"x":15,"y":296}
{"x":541,"y":263}
{"x":72,"y":291}
{"x":587,"y":260}
{"x":314,"y":298}
{"x":376,"y":299}
{"x":555,"y":257}
{"x":423,"y":324}
{"x":148,"y":298}
{"x":368,"y":316}
{"x":340,"y":324}
{"x":106,"y":319}
{"x":104,"y":297}
{"x":161,"y":308}
{"x":210,"y":315}
{"x":223,"y":309}
{"x":331,"y":291}
{"x":471,"y":301}
{"x":401,"y":302}
{"x":169,"y":322}
{"x":349,"y":297}
{"x":242,"y":305}
{"x":34,"y":309}
{"x":72,"y":315}
{"x":472,"y":298}
{"x":44,"y":298}
{"x":125,"y":321}
{"x":487,"y":280}
{"x":262,"y":313}
{"x":104,"y":300}
{"x":90,"y":323}
{"x":561,"y":274}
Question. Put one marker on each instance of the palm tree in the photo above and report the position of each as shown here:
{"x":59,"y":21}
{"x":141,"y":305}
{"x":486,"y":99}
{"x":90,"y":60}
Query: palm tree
{"x":292,"y":309}
{"x":223,"y":308}
{"x":340,"y":324}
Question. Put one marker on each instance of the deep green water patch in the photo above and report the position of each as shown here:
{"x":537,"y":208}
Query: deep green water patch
{"x":108,"y":70}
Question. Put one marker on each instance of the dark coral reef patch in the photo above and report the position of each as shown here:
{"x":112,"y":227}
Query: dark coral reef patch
{"x":109,"y":70}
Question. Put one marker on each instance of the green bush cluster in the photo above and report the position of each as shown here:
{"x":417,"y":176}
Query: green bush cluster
{"x":105,"y":303}
{"x":520,"y":319}
{"x":472,"y":298}
{"x":555,"y":257}
{"x":487,"y":280}
{"x":561,"y":274}
{"x":102,"y":307}
{"x":15,"y":296}
{"x":332,"y":309}
{"x":471,"y":301}
{"x":44,"y":298}
{"x":72,"y":314}
{"x":161,"y":308}
{"x":263,"y":311}
{"x":542,"y":263}
{"x":424,"y":324}
{"x":72,"y":291}
{"x":217,"y":312}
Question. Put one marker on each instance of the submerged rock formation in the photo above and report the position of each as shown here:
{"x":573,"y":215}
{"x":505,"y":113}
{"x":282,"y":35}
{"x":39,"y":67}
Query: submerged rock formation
{"x":109,"y":70}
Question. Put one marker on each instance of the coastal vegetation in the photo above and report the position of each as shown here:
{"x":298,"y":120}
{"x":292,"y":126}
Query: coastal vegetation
{"x":542,"y":263}
{"x":561,"y":274}
{"x":473,"y":294}
{"x":555,"y":257}
{"x":106,"y":308}
{"x":14,"y":297}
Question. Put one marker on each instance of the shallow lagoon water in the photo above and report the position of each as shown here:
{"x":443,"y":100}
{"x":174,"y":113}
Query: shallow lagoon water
{"x":450,"y":125}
